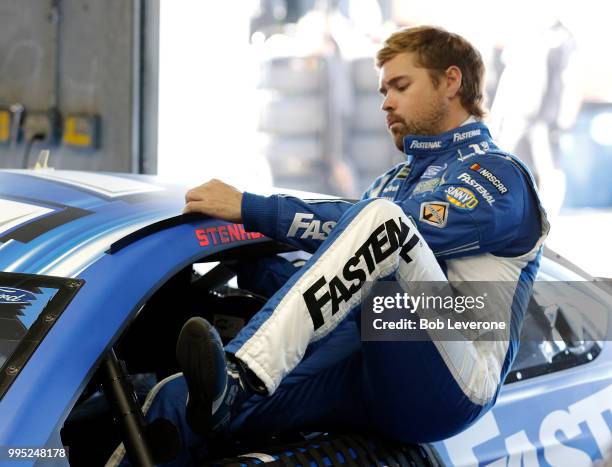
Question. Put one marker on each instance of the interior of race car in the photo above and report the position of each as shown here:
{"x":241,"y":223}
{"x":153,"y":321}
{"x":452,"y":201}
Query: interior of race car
{"x":144,"y":355}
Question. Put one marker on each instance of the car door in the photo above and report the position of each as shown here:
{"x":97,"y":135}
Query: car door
{"x":555,"y":408}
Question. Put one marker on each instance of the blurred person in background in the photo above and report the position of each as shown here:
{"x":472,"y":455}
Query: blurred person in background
{"x":458,"y":209}
{"x":538,"y":97}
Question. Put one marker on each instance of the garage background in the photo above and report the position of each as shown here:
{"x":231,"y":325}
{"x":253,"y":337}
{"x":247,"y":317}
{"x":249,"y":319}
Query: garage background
{"x":281,"y":91}
{"x":74,"y":63}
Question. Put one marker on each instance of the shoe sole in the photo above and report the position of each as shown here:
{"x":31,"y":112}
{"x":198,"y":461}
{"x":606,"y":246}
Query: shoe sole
{"x":194,"y":352}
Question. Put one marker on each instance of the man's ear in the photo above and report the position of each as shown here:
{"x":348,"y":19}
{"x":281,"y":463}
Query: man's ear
{"x":453,"y":77}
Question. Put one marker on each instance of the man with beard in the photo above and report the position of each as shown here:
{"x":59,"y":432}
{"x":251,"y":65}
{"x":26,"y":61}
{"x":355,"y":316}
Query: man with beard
{"x":458,"y":209}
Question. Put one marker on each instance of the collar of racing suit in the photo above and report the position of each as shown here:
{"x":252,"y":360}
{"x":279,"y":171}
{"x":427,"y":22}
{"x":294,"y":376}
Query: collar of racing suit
{"x":470,"y":132}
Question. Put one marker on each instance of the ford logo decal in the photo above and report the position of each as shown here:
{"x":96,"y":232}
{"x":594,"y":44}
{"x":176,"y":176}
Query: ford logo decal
{"x":11,"y":296}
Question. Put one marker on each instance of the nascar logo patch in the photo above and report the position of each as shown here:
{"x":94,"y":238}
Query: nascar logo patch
{"x":434,"y":213}
{"x":461,"y":197}
{"x":490,"y":176}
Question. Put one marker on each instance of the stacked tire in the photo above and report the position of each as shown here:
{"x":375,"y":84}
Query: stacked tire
{"x":293,"y":121}
{"x":371,"y":150}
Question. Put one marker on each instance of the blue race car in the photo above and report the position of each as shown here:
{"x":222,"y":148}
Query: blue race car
{"x":100,"y":271}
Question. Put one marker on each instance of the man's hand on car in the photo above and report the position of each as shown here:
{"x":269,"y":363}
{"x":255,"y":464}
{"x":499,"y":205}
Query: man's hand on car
{"x":215,"y":198}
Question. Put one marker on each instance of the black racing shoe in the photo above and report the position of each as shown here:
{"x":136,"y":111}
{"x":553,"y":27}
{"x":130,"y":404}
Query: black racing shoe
{"x":216,"y":388}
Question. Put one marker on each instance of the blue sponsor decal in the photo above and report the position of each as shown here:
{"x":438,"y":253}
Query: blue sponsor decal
{"x":11,"y":296}
{"x":568,"y":426}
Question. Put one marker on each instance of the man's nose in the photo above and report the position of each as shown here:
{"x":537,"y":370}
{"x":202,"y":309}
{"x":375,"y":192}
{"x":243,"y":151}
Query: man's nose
{"x":387,"y":104}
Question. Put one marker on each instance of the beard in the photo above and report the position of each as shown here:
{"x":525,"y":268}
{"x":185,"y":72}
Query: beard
{"x":428,"y":123}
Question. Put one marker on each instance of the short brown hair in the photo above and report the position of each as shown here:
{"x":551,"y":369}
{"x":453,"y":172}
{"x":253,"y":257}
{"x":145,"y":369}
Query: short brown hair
{"x":438,"y":49}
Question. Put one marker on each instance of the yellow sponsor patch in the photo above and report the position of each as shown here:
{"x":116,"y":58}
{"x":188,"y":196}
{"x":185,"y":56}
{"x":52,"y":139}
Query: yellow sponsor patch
{"x":461,"y":197}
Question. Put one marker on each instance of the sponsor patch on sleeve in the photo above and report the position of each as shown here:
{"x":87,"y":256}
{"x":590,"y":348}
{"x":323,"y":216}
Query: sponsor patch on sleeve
{"x":481,"y":190}
{"x":490,"y":176}
{"x":461,"y":198}
{"x":434,"y":213}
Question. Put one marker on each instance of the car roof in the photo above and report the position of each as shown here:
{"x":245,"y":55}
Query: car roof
{"x":59,"y":222}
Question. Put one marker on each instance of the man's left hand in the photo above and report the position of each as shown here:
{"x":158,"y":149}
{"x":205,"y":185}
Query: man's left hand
{"x":215,"y":198}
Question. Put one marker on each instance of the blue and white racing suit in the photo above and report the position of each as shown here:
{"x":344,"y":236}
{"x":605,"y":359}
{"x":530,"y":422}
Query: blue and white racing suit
{"x":457,"y":209}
